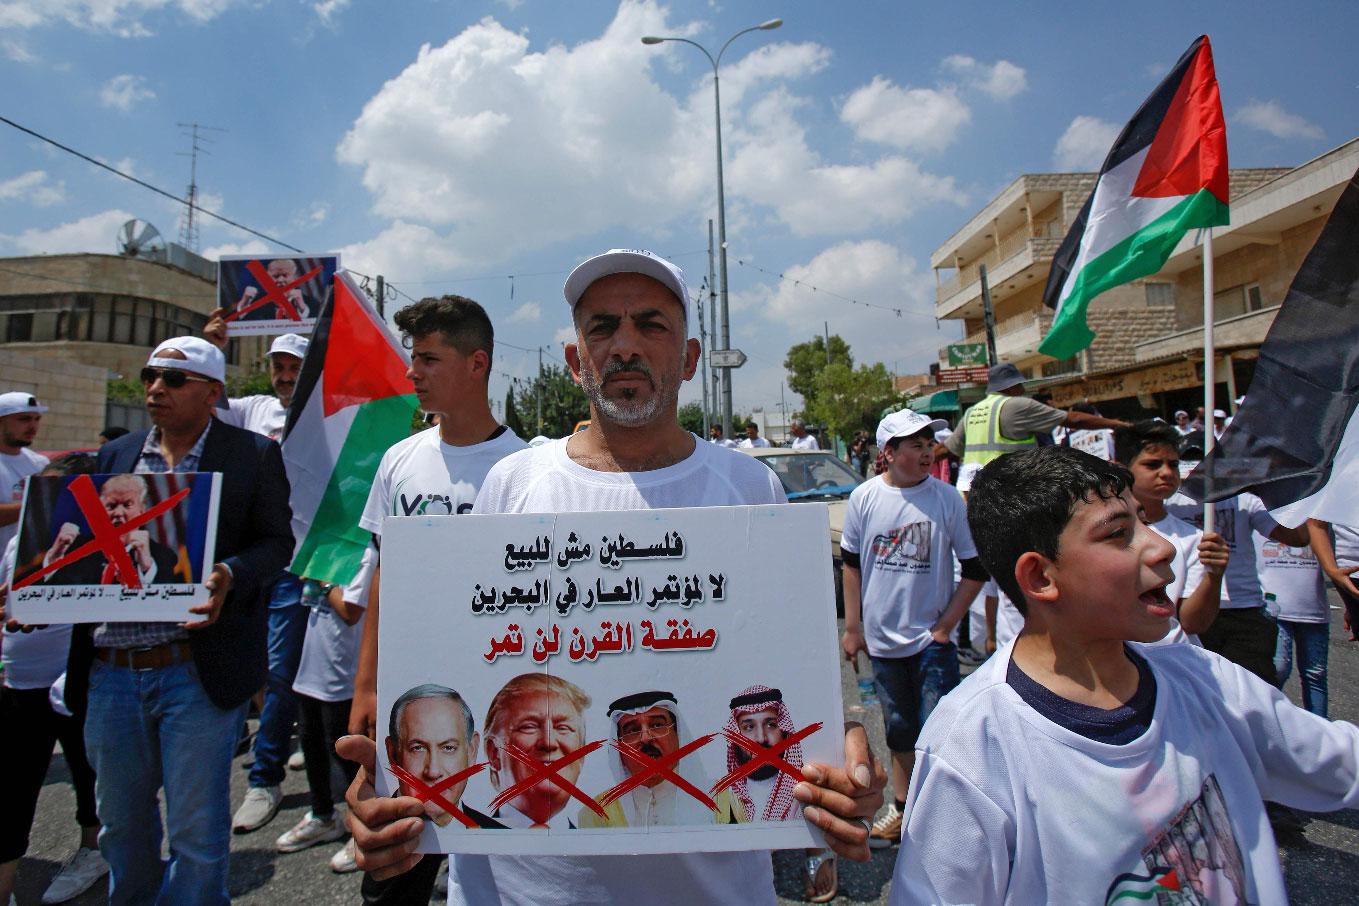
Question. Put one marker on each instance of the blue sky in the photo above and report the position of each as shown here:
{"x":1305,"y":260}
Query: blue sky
{"x":449,"y":145}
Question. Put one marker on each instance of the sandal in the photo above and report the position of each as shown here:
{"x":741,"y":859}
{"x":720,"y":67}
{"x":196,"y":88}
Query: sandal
{"x":820,"y":877}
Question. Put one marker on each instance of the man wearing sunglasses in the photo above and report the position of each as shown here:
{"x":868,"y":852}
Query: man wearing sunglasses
{"x":164,"y":702}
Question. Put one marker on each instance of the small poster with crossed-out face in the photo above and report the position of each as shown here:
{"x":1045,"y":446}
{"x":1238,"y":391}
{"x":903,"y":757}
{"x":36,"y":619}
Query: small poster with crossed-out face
{"x":614,"y":682}
{"x":114,"y":548}
{"x":270,"y":295}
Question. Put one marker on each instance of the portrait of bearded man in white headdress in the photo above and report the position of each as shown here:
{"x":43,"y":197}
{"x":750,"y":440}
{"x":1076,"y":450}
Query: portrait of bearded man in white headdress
{"x":650,"y":723}
{"x":759,"y":714}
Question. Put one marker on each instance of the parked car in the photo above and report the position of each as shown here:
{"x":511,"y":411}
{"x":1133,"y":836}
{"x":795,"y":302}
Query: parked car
{"x":810,"y":476}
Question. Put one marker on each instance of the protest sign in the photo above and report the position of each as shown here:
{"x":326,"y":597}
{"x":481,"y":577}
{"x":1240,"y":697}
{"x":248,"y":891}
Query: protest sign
{"x":273,"y":295}
{"x":645,"y":681}
{"x":114,"y":548}
{"x":1098,"y":442}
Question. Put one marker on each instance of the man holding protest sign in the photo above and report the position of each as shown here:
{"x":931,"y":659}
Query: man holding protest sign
{"x":631,"y":354}
{"x":166,"y":700}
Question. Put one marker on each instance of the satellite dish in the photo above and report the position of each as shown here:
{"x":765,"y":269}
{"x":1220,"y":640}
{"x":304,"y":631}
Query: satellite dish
{"x":139,"y":239}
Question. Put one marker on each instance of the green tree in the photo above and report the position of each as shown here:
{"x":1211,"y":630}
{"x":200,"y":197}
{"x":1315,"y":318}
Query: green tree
{"x":564,"y":403}
{"x":846,"y":399}
{"x":512,"y":415}
{"x":691,"y":417}
{"x":807,"y":360}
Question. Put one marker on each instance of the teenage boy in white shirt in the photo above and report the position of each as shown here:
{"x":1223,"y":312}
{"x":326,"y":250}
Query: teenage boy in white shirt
{"x":1075,"y":767}
{"x":1150,"y":451}
{"x":1293,"y":578}
{"x":902,"y":530}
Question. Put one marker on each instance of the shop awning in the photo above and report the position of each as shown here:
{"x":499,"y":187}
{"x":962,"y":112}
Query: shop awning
{"x":938,"y":401}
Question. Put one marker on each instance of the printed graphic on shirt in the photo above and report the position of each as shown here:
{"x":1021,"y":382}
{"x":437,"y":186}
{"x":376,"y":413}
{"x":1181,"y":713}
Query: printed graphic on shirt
{"x":410,"y":502}
{"x":904,"y":549}
{"x":1195,"y":861}
{"x":1275,"y":555}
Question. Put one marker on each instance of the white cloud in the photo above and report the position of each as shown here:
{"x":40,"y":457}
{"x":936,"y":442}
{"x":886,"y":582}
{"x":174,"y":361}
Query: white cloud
{"x":123,"y":92}
{"x":17,"y":51}
{"x":123,"y":18}
{"x":505,"y":149}
{"x":921,"y":119}
{"x":1271,"y":117}
{"x":34,"y":188}
{"x":528,"y":313}
{"x":564,"y":335}
{"x":1000,"y":80}
{"x":328,"y":10}
{"x":1084,"y":144}
{"x":511,"y":4}
{"x":95,"y":233}
{"x":251,"y":247}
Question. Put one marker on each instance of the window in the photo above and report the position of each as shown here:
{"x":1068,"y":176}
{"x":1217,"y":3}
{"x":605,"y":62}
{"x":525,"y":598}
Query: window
{"x":1255,"y":300}
{"x":1160,"y":295}
{"x":1062,"y":366}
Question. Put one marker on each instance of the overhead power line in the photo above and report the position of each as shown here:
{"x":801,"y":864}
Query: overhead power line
{"x":146,"y":185}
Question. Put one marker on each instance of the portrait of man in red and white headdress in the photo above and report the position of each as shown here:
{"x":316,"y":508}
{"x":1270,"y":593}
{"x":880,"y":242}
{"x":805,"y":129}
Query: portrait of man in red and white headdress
{"x":759,"y":714}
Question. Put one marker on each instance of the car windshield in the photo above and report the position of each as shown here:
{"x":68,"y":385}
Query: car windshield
{"x":812,"y":474}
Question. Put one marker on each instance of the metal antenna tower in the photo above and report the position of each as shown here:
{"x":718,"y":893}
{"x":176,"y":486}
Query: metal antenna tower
{"x":188,"y":224}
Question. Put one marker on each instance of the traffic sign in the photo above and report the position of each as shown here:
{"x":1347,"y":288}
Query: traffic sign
{"x":726,"y":358}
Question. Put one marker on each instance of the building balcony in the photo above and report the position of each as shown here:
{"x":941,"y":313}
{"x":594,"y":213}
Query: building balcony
{"x":1018,"y":258}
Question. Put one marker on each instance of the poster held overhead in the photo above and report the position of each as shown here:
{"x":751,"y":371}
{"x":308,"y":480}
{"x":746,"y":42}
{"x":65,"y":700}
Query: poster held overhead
{"x":273,"y":295}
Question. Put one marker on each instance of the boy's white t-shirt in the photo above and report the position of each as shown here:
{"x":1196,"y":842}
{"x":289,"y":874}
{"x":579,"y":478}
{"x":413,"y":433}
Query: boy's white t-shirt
{"x":14,"y":468}
{"x":544,"y":479}
{"x":1346,"y":544}
{"x":423,"y":476}
{"x":1009,"y":621}
{"x":330,"y":649}
{"x":1188,"y":570}
{"x":1237,"y":519}
{"x":1006,"y":806}
{"x":1294,"y":577}
{"x":33,"y":659}
{"x":906,"y":539}
{"x":262,"y":413}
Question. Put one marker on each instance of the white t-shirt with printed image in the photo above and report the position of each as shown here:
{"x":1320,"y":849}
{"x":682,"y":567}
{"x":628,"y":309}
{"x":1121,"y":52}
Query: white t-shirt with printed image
{"x":544,"y":479}
{"x":423,"y":476}
{"x":1237,"y":519}
{"x":1294,"y":577}
{"x":906,"y":539}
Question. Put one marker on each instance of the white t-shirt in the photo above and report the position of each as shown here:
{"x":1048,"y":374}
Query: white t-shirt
{"x":330,"y":649}
{"x":805,"y":442}
{"x":14,"y":468}
{"x":1346,"y":544}
{"x":1237,"y":518}
{"x":757,"y":442}
{"x":1186,"y":795}
{"x":906,"y":539}
{"x":422,"y":475}
{"x":1189,"y":572}
{"x":545,"y":480}
{"x":1009,"y":621}
{"x":1294,"y":577}
{"x":726,"y":442}
{"x":34,"y":659}
{"x":262,"y":413}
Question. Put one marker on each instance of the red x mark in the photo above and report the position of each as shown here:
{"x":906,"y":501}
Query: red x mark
{"x":273,"y":292}
{"x":760,"y":756}
{"x":549,"y":771}
{"x":434,"y":792}
{"x":648,"y":767}
{"x":107,"y":536}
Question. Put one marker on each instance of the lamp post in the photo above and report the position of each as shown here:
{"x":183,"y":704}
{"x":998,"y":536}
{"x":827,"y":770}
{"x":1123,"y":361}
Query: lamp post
{"x":721,"y":199}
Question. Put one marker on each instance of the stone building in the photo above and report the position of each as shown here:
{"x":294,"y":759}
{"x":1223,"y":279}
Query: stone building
{"x":1148,"y":332}
{"x":71,"y":323}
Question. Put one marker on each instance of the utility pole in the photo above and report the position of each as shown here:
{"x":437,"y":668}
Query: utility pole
{"x":990,"y":315}
{"x":826,"y":324}
{"x":381,"y":292}
{"x":703,"y":378}
{"x":538,"y":395}
{"x":722,"y":414}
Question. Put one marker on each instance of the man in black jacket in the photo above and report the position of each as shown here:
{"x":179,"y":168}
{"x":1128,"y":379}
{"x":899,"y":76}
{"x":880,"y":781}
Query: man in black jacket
{"x":165,"y":701}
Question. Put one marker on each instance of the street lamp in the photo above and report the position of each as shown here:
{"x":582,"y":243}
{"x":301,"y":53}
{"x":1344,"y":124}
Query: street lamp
{"x":721,"y":199}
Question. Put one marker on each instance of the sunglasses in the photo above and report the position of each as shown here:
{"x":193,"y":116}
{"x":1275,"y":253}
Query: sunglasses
{"x":173,"y":378}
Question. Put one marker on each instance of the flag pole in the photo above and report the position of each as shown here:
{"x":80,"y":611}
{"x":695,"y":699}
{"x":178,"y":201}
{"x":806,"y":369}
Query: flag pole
{"x":1209,"y":374}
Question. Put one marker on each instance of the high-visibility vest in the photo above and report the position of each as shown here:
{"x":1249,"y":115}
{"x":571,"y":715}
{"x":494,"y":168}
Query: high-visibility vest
{"x":982,"y":440}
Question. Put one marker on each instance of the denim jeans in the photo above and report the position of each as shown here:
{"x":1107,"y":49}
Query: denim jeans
{"x":1312,"y":641}
{"x":287,"y":629}
{"x":145,"y":729}
{"x":910,"y":687}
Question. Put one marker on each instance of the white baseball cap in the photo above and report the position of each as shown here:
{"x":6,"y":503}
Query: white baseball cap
{"x":905,"y":423}
{"x":200,"y":357}
{"x":289,"y":344}
{"x":626,"y":261}
{"x":17,"y":402}
{"x":1218,"y":413}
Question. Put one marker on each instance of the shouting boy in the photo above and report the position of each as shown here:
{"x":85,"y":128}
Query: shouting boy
{"x":1076,"y":767}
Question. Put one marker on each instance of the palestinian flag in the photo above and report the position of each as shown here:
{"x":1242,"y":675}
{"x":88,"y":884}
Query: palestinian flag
{"x":1294,"y":443}
{"x":1165,"y":175}
{"x":353,"y":401}
{"x":1135,"y":888}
